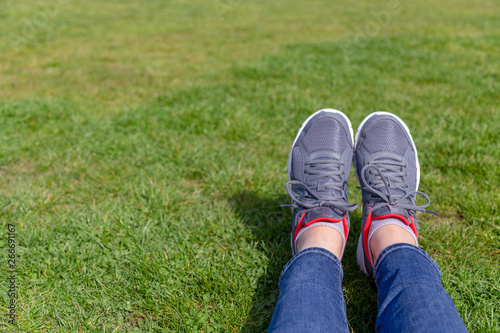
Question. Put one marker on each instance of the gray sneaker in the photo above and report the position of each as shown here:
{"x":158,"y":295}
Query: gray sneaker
{"x":318,"y":169}
{"x":388,"y":171}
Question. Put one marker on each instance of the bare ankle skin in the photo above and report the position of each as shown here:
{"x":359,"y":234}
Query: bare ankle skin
{"x":388,"y":235}
{"x":321,"y":236}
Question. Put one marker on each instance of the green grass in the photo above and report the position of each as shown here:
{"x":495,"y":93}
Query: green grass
{"x":143,"y":152}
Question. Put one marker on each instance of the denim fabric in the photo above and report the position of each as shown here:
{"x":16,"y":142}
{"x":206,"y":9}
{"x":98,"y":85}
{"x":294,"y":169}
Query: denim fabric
{"x":311,"y":297}
{"x":411,"y":297}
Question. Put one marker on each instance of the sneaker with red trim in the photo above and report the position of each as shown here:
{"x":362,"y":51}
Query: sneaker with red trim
{"x":318,"y":168}
{"x":388,"y":171}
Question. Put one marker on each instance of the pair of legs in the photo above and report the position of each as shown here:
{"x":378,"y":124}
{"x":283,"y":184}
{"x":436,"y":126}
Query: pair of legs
{"x":411,"y":297}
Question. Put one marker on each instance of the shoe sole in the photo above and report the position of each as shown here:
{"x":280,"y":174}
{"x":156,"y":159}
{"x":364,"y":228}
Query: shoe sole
{"x":304,"y":124}
{"x":360,"y":255}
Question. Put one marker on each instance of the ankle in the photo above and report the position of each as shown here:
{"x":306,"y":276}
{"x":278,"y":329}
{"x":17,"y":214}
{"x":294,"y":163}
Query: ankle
{"x":323,"y":237}
{"x":388,"y":235}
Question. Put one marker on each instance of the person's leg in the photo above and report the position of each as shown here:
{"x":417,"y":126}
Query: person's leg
{"x":411,"y":297}
{"x":311,"y":297}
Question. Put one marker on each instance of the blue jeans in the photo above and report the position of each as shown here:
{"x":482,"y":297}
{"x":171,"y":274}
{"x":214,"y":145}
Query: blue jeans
{"x":411,"y":297}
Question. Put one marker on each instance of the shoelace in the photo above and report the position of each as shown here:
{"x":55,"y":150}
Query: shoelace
{"x":394,"y":177}
{"x":312,"y":198}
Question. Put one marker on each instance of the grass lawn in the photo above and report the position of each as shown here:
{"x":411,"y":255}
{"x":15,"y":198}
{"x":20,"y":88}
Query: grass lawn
{"x":143,"y":152}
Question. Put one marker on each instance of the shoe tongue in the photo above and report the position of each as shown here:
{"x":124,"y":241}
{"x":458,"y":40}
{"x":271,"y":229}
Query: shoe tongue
{"x":321,"y":212}
{"x":391,"y":211}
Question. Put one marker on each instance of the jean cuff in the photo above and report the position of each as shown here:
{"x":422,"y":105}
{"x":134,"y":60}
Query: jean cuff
{"x":310,"y":250}
{"x":400,"y":246}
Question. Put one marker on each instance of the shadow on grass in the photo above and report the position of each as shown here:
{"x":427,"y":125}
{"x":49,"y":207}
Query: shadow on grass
{"x":360,"y":291}
{"x":270,"y":224}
